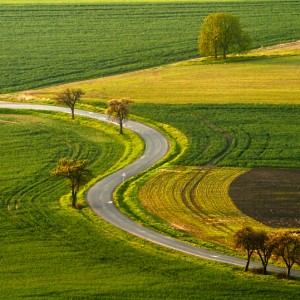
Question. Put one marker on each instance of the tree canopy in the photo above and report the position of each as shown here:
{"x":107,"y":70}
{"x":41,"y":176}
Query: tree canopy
{"x":222,"y":33}
{"x":75,"y":171}
{"x":69,"y":97}
{"x":118,"y":110}
{"x":246,"y":238}
{"x":287,"y":248}
{"x":283,"y":246}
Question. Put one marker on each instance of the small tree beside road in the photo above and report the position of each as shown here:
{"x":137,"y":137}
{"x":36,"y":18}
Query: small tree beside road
{"x":246,"y":239}
{"x":118,"y":111}
{"x":265,"y":248}
{"x":70,"y":97}
{"x":75,"y":171}
{"x":287,"y":248}
{"x":222,"y":33}
{"x":283,"y":246}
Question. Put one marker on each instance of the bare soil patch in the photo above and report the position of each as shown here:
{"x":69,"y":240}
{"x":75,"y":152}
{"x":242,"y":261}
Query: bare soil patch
{"x":270,"y":196}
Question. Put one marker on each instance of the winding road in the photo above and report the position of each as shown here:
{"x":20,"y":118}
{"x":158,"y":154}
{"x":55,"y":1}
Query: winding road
{"x":100,"y":196}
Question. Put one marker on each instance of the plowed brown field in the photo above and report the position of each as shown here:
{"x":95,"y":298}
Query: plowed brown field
{"x":271,"y":196}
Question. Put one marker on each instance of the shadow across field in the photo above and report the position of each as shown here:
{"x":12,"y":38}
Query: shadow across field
{"x":271,"y":196}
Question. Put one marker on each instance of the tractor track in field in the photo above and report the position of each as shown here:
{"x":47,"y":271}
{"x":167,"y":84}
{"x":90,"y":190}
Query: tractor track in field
{"x":100,"y":196}
{"x":191,"y":186}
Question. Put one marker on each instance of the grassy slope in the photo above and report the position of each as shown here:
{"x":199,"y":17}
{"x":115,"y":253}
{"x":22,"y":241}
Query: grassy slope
{"x":196,"y":201}
{"x":56,"y":139}
{"x":240,"y":136}
{"x":44,"y":45}
{"x":89,"y":273}
{"x":261,"y":135}
{"x":50,"y":251}
{"x":269,"y":76}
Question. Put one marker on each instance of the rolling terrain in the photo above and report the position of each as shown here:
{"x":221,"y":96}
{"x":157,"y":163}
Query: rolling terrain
{"x":46,"y":44}
{"x":231,"y":126}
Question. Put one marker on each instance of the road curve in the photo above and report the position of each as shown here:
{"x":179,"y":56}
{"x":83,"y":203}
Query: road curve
{"x":100,"y":196}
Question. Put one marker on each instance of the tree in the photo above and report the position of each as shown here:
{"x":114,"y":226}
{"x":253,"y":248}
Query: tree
{"x":265,"y":247}
{"x":287,"y":248}
{"x":222,"y":33}
{"x":118,"y":110}
{"x":75,"y":171}
{"x":69,"y":97}
{"x":246,"y":239}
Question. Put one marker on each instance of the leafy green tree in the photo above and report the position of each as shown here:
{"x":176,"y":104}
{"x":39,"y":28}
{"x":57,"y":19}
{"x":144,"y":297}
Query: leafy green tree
{"x":222,"y":33}
{"x":69,"y":97}
{"x":287,"y":248}
{"x":118,"y":110}
{"x":75,"y":171}
{"x":246,"y":239}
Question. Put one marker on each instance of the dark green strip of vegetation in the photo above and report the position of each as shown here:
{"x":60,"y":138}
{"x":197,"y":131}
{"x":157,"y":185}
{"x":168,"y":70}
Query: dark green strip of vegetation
{"x":234,"y":135}
{"x":44,"y":45}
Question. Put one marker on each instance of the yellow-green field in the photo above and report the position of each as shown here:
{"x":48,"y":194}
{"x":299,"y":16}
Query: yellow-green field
{"x":196,"y":200}
{"x":50,"y":251}
{"x":270,"y":76}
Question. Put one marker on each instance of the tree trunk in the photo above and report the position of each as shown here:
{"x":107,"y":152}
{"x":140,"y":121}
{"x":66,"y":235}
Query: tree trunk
{"x":72,"y":110}
{"x":288,"y":273}
{"x":249,"y":254}
{"x":121,"y":127}
{"x":74,"y":198}
{"x":265,"y":269}
{"x":247,"y":264}
{"x":264,"y":261}
{"x":224,"y":54}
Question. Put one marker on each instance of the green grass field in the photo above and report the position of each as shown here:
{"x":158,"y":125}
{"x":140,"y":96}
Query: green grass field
{"x":269,"y":76}
{"x":30,"y":170}
{"x":50,"y":251}
{"x":261,"y":135}
{"x":45,"y":45}
{"x":233,"y":137}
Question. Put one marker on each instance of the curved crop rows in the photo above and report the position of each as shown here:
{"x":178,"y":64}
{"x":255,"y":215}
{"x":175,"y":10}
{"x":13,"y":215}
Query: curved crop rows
{"x":196,"y":200}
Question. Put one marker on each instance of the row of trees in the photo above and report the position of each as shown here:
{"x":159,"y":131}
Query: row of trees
{"x":283,"y":246}
{"x":76,"y":171}
{"x":117,"y":109}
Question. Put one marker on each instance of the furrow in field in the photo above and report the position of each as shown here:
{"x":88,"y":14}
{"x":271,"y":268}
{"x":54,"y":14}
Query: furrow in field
{"x":205,"y":211}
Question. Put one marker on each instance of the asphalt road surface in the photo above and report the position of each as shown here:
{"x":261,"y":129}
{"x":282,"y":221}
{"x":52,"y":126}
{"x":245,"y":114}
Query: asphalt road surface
{"x":100,"y":196}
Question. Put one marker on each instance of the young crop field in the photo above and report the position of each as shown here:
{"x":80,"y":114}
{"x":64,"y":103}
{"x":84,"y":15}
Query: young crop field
{"x":26,"y":176}
{"x":224,"y":142}
{"x":44,"y":45}
{"x":233,"y":135}
{"x":212,"y":203}
{"x":269,"y":79}
{"x":196,"y":200}
{"x":49,"y":250}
